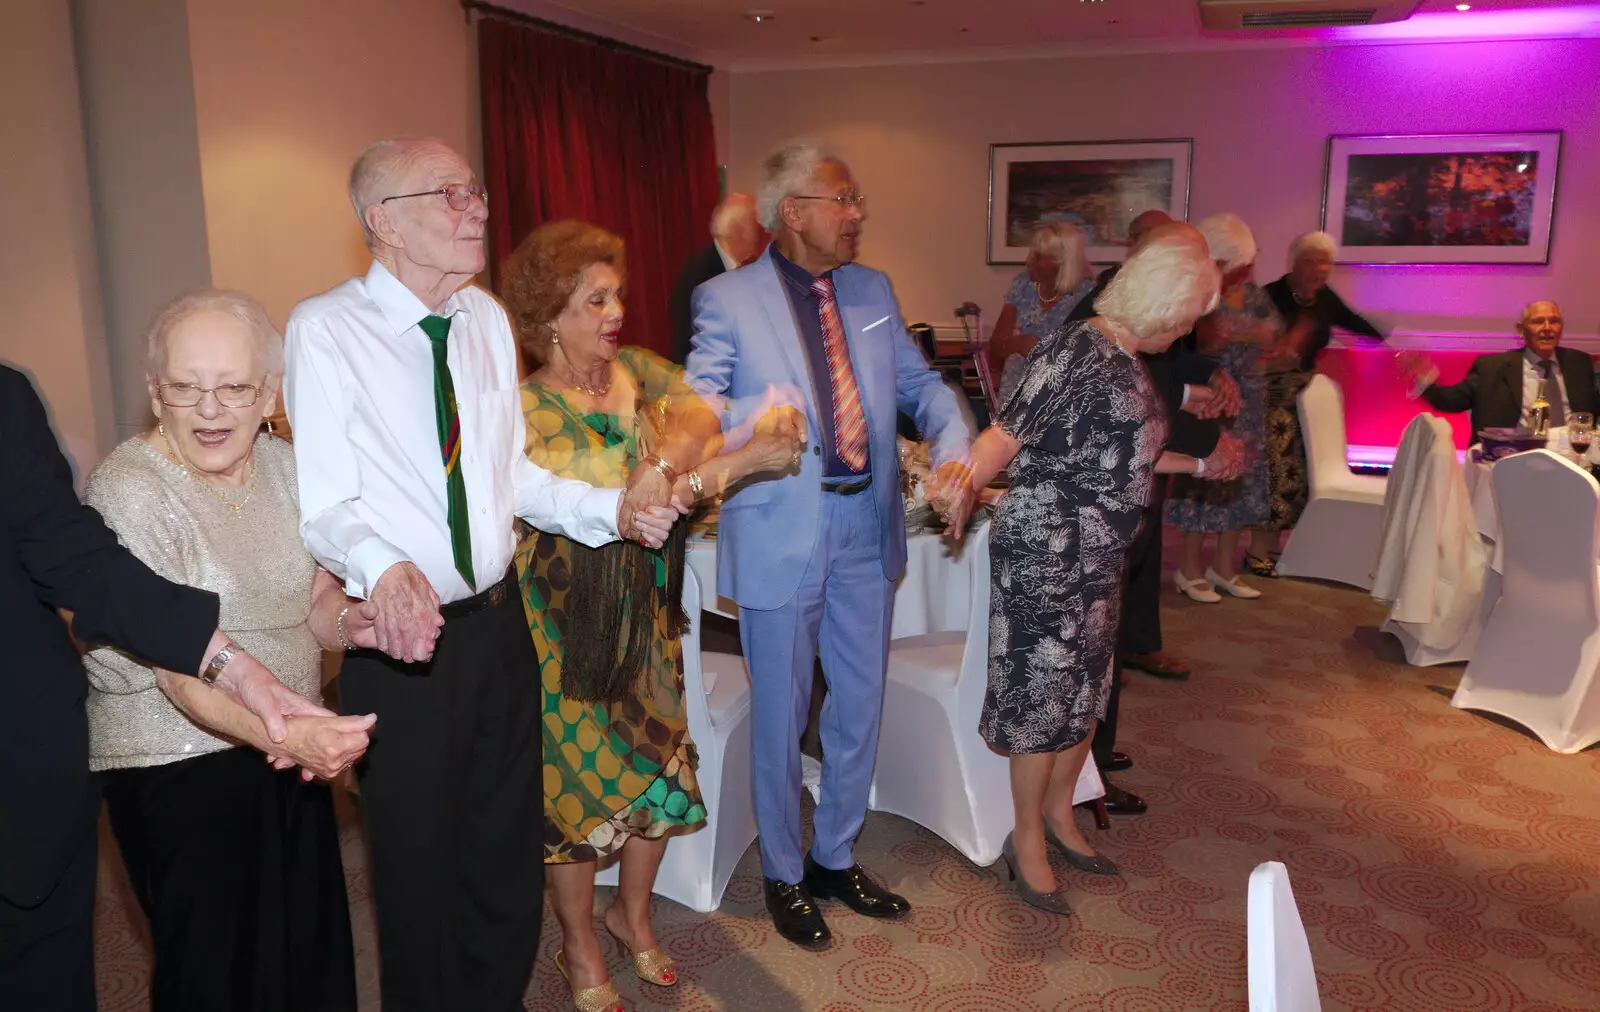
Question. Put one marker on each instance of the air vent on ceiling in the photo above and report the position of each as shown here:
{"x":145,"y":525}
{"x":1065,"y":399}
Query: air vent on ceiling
{"x":1308,"y":19}
{"x":1234,"y":15}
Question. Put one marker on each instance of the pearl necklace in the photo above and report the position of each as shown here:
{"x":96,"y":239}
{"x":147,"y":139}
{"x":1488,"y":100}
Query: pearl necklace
{"x":249,"y":484}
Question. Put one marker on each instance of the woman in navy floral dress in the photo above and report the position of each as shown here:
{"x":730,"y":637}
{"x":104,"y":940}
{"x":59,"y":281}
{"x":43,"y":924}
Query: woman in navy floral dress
{"x":1083,"y":435}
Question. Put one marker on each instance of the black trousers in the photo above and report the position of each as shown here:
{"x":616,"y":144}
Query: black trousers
{"x":1140,"y":629}
{"x":452,"y":792}
{"x":47,"y":951}
{"x":237,"y":867}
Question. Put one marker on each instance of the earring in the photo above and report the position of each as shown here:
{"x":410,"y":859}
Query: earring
{"x":161,"y":427}
{"x":269,"y":427}
{"x":555,"y":335}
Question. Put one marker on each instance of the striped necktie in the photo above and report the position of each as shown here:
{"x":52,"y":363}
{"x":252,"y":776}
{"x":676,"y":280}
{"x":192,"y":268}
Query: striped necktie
{"x":449,"y":424}
{"x":1550,"y":387}
{"x":849,"y":423}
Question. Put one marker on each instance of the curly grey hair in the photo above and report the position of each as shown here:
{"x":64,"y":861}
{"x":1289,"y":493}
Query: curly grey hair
{"x":787,"y":171}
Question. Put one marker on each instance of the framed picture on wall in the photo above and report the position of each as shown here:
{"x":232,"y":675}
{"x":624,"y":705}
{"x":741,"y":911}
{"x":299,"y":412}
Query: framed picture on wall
{"x":1099,"y":186}
{"x":1442,"y":198}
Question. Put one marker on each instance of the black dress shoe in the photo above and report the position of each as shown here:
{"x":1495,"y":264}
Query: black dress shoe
{"x":854,"y":888}
{"x":794,"y":913}
{"x":1118,"y":762}
{"x":1121,"y":802}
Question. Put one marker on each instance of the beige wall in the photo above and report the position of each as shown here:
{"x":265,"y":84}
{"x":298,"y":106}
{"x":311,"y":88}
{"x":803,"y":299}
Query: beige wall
{"x":918,"y":137}
{"x":48,"y":282}
{"x":286,"y":93}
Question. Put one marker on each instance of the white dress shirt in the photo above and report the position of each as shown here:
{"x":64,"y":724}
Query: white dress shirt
{"x":358,"y":387}
{"x":1533,"y":385}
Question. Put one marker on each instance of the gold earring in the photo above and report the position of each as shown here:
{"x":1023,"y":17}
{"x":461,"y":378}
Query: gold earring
{"x":269,"y":427}
{"x":161,"y":427}
{"x":555,"y":335}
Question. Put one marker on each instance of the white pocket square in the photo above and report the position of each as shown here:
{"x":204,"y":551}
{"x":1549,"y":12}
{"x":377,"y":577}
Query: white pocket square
{"x":874,"y":323}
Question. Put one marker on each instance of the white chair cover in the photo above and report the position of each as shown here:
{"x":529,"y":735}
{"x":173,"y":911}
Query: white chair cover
{"x":716,"y":691}
{"x":1537,"y":657}
{"x":1431,"y":560}
{"x":1337,"y":536}
{"x":933,"y":768}
{"x":1282,"y":978}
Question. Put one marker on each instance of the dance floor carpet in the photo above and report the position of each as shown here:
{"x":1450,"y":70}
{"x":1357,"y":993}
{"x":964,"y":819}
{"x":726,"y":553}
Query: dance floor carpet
{"x":1443,"y":863}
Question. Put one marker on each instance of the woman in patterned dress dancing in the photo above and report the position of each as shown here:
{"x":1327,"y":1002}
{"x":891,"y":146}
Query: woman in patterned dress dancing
{"x":1083,"y":435}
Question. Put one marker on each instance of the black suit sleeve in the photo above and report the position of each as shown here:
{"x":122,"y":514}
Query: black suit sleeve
{"x":1457,"y":396}
{"x":1346,"y":318}
{"x":74,"y":559}
{"x":1186,"y":434}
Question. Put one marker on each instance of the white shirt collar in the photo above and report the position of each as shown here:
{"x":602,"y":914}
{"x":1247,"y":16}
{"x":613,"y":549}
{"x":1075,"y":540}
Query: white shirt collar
{"x":728,"y":262}
{"x":399,"y":305}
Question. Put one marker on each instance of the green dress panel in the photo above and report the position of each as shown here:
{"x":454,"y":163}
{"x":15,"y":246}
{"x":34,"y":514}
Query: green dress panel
{"x":611,"y":770}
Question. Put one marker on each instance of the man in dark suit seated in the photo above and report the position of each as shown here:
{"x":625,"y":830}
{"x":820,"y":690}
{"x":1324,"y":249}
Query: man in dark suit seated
{"x":1500,"y":389}
{"x":737,"y":238}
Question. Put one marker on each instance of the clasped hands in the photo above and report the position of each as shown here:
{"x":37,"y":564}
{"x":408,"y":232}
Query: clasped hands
{"x":1217,"y":399}
{"x":951,"y":494}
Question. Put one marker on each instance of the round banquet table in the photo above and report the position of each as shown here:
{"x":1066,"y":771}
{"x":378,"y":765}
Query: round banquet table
{"x":934,"y":595}
{"x":1485,"y":512}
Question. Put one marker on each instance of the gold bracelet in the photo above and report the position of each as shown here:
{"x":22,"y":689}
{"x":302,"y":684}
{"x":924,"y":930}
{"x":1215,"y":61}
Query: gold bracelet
{"x":338,"y":627}
{"x":696,"y":486}
{"x":655,"y":461}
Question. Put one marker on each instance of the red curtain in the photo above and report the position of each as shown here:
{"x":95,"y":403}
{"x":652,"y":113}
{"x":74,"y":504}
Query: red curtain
{"x":575,"y":130}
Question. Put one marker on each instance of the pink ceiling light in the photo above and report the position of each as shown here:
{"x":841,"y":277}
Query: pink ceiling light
{"x":1575,"y":20}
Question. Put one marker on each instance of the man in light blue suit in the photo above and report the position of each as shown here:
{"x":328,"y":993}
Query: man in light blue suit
{"x":812,"y":556}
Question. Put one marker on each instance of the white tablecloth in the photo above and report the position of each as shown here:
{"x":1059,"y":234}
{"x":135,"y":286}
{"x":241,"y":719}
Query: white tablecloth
{"x":934,"y":595}
{"x":1481,"y":490}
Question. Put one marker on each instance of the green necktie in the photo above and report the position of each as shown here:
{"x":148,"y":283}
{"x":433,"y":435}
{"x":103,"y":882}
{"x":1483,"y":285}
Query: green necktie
{"x":449,"y":423}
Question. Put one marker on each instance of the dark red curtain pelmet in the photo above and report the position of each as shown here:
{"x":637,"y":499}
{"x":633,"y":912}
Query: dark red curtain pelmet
{"x":573,"y":130}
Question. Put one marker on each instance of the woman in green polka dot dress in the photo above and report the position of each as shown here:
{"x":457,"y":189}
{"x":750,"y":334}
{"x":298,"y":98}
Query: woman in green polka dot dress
{"x":619,"y":768}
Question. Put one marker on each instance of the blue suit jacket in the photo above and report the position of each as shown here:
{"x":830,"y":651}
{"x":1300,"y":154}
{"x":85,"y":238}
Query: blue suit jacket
{"x":745,"y":348}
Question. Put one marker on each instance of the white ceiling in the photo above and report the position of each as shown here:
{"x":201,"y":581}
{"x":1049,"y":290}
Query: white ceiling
{"x":822,"y":32}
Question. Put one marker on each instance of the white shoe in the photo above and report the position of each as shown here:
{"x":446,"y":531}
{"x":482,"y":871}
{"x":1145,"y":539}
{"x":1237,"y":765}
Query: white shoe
{"x":1234,"y":587}
{"x":1195,"y":590}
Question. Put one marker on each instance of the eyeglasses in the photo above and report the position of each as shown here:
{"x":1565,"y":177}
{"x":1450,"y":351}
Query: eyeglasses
{"x":843,"y":200}
{"x":229,"y":395}
{"x":457,"y":195}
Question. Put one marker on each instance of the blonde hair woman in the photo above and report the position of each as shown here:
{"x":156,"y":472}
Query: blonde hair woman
{"x":1040,"y":299}
{"x":1083,"y":435}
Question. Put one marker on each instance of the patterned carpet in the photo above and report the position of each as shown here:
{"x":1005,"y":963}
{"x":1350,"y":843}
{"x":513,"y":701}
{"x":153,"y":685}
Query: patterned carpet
{"x":1443,"y":863}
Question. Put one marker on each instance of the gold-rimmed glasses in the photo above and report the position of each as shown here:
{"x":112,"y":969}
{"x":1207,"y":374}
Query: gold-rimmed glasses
{"x":457,"y":195}
{"x":229,"y":395}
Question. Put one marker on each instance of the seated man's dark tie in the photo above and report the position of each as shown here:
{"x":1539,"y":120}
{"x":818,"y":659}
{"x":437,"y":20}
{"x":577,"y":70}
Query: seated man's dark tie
{"x":1551,"y":389}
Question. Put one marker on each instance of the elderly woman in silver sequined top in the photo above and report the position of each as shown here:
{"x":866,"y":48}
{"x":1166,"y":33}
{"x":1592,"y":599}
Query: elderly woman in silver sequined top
{"x":234,"y":858}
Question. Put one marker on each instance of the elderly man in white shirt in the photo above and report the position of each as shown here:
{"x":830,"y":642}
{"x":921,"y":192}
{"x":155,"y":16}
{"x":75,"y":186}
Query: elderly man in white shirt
{"x":401,"y":387}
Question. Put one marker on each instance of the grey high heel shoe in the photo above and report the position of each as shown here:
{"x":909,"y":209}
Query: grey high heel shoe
{"x":1094,"y":864}
{"x":1054,"y":903}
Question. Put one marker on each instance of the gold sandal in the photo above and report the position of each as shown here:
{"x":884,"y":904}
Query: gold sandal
{"x":653,"y":966}
{"x":600,"y":998}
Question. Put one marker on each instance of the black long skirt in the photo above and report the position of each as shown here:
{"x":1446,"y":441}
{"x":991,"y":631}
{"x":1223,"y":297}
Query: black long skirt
{"x":237,"y":866}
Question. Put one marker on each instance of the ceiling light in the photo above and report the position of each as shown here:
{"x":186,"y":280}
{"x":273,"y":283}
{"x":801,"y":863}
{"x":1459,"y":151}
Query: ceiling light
{"x":759,"y":16}
{"x":1463,"y":7}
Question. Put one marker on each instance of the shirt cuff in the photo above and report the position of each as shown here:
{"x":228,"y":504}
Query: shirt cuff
{"x":366,"y":564}
{"x":596,"y":521}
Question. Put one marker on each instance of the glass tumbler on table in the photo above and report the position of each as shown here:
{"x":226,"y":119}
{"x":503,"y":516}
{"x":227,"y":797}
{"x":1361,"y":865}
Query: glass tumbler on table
{"x":1580,"y":434}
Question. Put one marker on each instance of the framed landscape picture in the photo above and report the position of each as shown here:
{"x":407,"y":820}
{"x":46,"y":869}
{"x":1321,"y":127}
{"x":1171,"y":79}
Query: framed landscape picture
{"x":1099,"y":186}
{"x":1442,"y":198}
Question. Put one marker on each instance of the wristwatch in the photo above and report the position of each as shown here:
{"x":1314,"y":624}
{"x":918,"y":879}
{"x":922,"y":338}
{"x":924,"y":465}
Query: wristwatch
{"x":220,"y":661}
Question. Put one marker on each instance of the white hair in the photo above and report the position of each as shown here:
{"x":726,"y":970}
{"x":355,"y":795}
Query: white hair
{"x":1164,"y":286}
{"x":787,"y":171}
{"x":1231,"y":241}
{"x":1312,"y":242}
{"x":1063,"y":242}
{"x":379,"y":167}
{"x":242,"y":307}
{"x":734,"y":208}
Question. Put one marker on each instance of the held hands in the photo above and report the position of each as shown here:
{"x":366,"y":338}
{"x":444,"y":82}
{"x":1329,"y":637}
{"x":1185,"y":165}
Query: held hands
{"x":247,"y":682}
{"x":360,"y":625}
{"x":407,"y":621}
{"x":1417,"y":368}
{"x":1217,"y":399}
{"x":323,"y":746}
{"x":778,"y":439}
{"x":648,"y":507}
{"x":1227,"y":461}
{"x":952,"y":496}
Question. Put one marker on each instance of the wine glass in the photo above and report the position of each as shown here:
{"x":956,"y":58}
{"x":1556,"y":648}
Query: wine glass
{"x":1580,"y":434}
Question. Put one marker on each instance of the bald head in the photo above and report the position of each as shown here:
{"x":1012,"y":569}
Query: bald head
{"x":1541,"y":326}
{"x":1143,"y":223}
{"x":737,"y":230}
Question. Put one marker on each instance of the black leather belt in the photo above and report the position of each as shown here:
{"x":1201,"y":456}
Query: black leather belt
{"x":848,"y":487}
{"x":486,"y":599}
